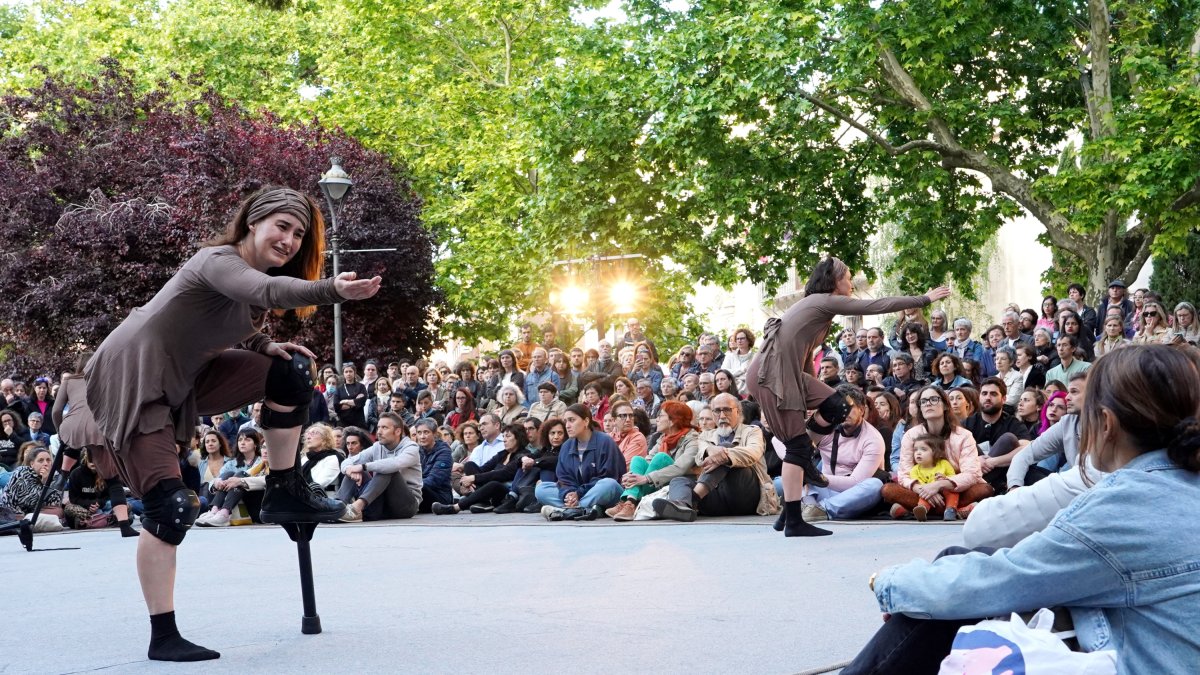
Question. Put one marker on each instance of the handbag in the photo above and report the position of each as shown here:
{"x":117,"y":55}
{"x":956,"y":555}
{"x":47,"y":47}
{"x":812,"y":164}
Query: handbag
{"x":1013,"y":646}
{"x":645,"y":508}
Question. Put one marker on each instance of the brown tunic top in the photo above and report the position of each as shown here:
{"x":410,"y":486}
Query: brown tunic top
{"x":142,"y":375}
{"x":76,"y":428}
{"x":789,"y":342}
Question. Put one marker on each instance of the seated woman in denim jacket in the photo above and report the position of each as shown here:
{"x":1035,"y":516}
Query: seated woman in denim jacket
{"x":1129,"y":586}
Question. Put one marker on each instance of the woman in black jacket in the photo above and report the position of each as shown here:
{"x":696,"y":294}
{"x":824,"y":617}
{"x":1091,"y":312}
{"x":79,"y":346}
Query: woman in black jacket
{"x":537,"y":466}
{"x":490,"y":480}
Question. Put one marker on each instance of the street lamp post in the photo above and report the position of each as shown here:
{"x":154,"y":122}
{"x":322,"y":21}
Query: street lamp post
{"x":335,"y":185}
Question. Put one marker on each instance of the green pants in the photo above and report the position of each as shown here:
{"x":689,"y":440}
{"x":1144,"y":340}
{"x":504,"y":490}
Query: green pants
{"x":641,"y":467}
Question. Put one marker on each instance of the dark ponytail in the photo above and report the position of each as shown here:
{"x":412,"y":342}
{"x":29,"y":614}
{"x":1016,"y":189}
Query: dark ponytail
{"x":1184,"y":450}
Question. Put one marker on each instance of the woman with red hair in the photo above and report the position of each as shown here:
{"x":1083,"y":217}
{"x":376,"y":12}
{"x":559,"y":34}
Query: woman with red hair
{"x":673,"y":455}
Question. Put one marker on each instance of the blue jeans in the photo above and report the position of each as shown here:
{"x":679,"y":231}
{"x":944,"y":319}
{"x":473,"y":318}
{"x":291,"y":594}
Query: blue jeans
{"x":604,"y":494}
{"x":847,"y":505}
{"x":5,"y":476}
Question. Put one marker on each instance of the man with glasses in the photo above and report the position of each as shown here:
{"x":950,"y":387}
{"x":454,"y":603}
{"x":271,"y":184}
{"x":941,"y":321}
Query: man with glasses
{"x":629,"y":438}
{"x":705,"y":362}
{"x":707,"y":387}
{"x":634,"y":335}
{"x":733,"y":478}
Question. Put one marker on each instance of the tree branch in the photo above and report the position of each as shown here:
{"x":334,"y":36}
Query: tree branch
{"x":508,"y":43}
{"x":1143,"y":253}
{"x":955,"y":156}
{"x":876,"y":137}
{"x":1101,"y":69}
{"x":462,"y":53}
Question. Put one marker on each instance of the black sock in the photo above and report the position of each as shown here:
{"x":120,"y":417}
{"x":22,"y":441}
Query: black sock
{"x":796,"y":527}
{"x":166,"y":644}
{"x":127,"y":528}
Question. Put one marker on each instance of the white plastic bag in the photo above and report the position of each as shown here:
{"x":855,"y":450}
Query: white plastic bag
{"x":998,"y":646}
{"x":46,"y":523}
{"x":645,"y":508}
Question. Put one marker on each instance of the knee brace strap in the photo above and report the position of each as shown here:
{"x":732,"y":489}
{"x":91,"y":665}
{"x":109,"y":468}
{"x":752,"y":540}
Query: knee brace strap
{"x":273,"y":419}
{"x":170,"y":509}
{"x":834,"y":410}
{"x":73,"y":453}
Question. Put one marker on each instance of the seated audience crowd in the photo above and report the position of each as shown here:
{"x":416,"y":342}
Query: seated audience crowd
{"x":944,"y":415}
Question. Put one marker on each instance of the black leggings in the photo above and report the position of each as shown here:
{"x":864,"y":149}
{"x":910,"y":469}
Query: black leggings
{"x":489,"y":493}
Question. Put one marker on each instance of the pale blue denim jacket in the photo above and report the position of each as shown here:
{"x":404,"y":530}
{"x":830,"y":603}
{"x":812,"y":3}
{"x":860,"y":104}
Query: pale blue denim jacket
{"x":1124,"y":557}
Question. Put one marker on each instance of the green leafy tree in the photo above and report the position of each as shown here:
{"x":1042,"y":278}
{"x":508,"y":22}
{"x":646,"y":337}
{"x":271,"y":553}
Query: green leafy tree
{"x":1177,"y":275}
{"x":749,"y":136}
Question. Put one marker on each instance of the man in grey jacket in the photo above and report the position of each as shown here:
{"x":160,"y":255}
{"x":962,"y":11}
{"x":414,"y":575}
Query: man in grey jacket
{"x":384,"y":481}
{"x":1003,"y":521}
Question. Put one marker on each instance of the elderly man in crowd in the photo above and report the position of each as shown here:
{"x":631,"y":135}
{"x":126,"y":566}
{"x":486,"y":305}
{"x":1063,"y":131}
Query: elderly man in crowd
{"x":646,"y":399}
{"x":412,"y":385}
{"x":706,"y":387}
{"x":1011,"y":323}
{"x":850,"y":457}
{"x":606,"y":364}
{"x":705,"y":362}
{"x":733,"y":479}
{"x":539,"y":372}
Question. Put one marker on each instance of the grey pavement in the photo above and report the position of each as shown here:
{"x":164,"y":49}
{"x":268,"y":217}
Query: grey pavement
{"x":472,"y":593}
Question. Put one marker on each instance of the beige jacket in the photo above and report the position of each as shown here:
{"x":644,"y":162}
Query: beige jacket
{"x":747,"y":451}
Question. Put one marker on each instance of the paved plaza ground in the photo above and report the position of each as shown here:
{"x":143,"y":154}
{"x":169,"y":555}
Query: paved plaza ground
{"x":466,"y":594}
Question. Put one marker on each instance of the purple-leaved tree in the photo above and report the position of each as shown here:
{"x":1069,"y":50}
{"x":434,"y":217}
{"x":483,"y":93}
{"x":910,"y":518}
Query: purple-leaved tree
{"x":108,"y":190}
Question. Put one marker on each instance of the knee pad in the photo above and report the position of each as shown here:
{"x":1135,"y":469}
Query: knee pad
{"x":288,"y":383}
{"x":834,"y":410}
{"x":116,"y":491}
{"x":170,"y":508}
{"x":799,"y":451}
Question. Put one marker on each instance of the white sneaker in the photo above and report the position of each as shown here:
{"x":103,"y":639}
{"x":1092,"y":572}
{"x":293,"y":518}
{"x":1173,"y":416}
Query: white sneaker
{"x":203,"y":520}
{"x":813,"y":513}
{"x":553,"y":513}
{"x":351,"y":515}
{"x":218,"y":519}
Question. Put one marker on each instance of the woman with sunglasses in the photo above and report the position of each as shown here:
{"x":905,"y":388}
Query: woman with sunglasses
{"x":1154,"y":325}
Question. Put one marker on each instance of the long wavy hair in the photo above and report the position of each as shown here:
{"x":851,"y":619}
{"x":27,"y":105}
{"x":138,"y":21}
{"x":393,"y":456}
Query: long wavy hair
{"x":309,"y":261}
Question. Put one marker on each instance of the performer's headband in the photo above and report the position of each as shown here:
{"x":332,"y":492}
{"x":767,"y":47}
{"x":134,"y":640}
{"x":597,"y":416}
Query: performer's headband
{"x":281,"y":200}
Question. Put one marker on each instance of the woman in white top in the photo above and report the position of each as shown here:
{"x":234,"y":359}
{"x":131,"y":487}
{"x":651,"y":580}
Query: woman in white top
{"x":738,"y":360}
{"x":1013,"y":379}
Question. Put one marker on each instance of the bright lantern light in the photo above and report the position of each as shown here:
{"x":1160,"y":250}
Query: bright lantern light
{"x":573,"y":299}
{"x":623,"y":296}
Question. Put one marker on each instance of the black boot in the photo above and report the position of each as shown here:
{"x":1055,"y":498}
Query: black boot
{"x":781,"y":521}
{"x":291,"y":499}
{"x":527,"y":502}
{"x":509,"y":504}
{"x":796,"y":527}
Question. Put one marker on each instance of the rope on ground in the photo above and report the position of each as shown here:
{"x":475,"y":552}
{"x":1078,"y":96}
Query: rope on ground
{"x":825,"y":669}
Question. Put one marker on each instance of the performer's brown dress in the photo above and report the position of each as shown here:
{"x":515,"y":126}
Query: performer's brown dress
{"x":174,"y":359}
{"x":781,"y":377}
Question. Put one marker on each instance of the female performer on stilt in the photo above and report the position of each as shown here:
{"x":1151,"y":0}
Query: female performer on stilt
{"x":197,"y":348}
{"x":781,"y":379}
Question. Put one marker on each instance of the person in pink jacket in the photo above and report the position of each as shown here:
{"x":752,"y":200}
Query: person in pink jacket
{"x":933,"y":417}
